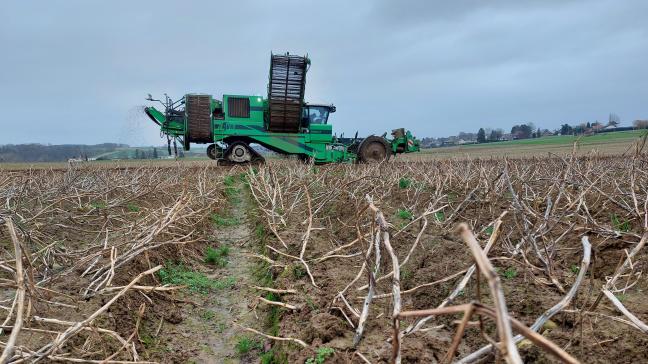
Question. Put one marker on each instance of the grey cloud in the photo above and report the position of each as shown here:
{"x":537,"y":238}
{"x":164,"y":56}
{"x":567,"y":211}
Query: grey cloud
{"x":74,"y":71}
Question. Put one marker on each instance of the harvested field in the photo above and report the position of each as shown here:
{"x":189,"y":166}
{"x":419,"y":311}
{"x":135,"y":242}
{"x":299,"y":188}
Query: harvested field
{"x":123,"y":265}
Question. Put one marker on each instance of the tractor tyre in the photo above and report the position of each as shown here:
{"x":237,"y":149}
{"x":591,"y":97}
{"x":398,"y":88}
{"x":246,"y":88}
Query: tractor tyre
{"x":373,"y":149}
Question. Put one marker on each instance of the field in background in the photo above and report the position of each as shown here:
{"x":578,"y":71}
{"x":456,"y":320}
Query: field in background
{"x":604,"y":143}
{"x":120,"y":164}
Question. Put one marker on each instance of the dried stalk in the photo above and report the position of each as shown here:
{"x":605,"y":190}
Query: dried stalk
{"x":7,"y":353}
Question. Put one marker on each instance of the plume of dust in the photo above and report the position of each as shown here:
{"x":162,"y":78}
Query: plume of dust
{"x":138,"y":130}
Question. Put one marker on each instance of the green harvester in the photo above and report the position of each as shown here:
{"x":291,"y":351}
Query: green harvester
{"x":283,"y":122}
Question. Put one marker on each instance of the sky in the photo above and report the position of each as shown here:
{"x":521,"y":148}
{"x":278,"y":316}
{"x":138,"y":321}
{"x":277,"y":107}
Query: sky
{"x":79,"y":71}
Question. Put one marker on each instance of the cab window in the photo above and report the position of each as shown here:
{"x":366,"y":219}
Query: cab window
{"x":316,"y":114}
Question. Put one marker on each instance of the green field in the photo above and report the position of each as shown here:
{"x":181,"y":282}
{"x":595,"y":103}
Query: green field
{"x":604,"y":143}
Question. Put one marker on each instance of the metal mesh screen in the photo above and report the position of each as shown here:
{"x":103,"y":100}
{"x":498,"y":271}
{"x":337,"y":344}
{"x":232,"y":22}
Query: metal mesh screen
{"x":238,"y":107}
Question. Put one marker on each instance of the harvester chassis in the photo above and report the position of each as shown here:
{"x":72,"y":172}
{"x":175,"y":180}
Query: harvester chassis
{"x":283,"y":123}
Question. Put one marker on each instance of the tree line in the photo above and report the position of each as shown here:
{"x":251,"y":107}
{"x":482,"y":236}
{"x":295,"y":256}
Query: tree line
{"x":529,"y":130}
{"x":18,"y":153}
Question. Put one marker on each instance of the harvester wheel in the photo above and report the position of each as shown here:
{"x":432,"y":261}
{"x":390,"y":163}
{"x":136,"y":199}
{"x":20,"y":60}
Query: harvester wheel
{"x":240,"y":153}
{"x":211,"y":151}
{"x":373,"y":149}
{"x":306,"y":159}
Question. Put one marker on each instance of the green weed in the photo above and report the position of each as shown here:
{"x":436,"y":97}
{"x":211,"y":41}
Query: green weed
{"x":619,"y":225}
{"x":244,"y":345}
{"x":231,"y":192}
{"x":404,"y":183}
{"x":267,"y":357}
{"x":229,"y":181}
{"x":310,"y":303}
{"x":132,"y":207}
{"x":406,"y":274}
{"x":298,"y":271}
{"x":489,"y":230}
{"x":439,"y":216}
{"x":260,"y":232}
{"x":98,"y":204}
{"x":575,"y":269}
{"x":321,"y":354}
{"x":510,"y":273}
{"x":404,"y":214}
{"x":147,"y":340}
{"x":272,"y":297}
{"x":208,"y":315}
{"x":220,"y":328}
{"x":224,"y":221}
{"x":217,"y":257}
{"x":195,"y":281}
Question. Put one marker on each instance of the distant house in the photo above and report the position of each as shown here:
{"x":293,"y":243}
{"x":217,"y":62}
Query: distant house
{"x":598,"y":127}
{"x":462,"y":142}
{"x":609,"y":127}
{"x":506,"y":137}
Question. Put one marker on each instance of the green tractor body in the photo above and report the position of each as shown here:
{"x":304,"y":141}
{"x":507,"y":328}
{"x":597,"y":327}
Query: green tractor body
{"x":281,"y":122}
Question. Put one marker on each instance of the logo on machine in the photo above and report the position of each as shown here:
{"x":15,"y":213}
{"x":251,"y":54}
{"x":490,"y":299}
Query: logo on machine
{"x":336,"y":147}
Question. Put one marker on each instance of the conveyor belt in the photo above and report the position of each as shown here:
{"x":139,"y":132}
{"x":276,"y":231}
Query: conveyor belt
{"x":286,"y":92}
{"x":198,"y":110}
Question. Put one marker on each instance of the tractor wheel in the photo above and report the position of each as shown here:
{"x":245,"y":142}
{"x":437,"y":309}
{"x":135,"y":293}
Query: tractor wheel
{"x":373,"y":149}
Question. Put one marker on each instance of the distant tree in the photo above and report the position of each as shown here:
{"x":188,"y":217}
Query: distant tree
{"x":580,"y":128}
{"x":481,"y":136}
{"x":155,"y":153}
{"x":588,"y":125}
{"x":566,"y":129}
{"x":495,"y":135}
{"x":614,"y":120}
{"x":523,"y":131}
{"x":640,"y":124}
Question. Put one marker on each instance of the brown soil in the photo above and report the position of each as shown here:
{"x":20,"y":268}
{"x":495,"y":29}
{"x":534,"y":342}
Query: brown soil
{"x":207,"y":328}
{"x":592,"y":338}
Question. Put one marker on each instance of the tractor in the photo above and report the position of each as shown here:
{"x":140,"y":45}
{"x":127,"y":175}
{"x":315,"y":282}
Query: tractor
{"x":282,"y":122}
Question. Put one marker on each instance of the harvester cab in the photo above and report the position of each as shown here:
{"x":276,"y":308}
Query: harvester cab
{"x":316,"y":114}
{"x":283,"y":122}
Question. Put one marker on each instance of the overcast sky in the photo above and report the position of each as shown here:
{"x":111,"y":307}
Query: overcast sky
{"x":76,"y":71}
